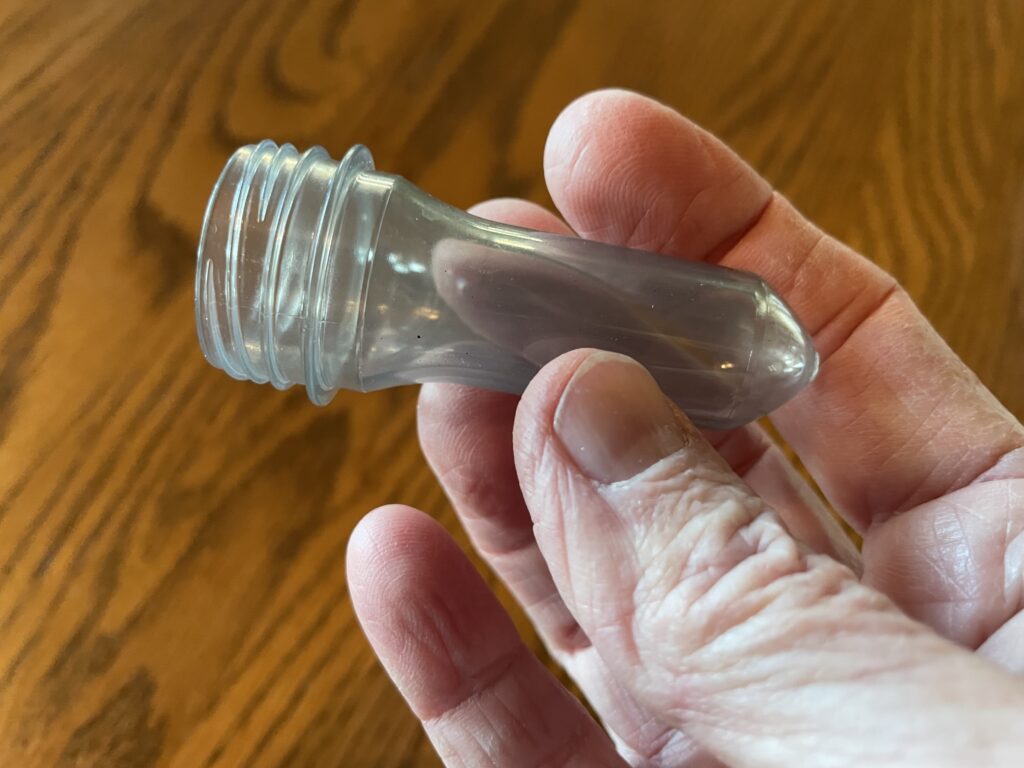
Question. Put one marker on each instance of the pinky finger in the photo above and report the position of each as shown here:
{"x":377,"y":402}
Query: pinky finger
{"x":454,"y":654}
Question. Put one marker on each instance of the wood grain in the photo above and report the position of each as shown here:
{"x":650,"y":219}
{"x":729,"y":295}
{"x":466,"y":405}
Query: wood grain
{"x":171,"y":541}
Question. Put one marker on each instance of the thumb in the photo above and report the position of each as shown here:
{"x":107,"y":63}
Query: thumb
{"x":708,"y":611}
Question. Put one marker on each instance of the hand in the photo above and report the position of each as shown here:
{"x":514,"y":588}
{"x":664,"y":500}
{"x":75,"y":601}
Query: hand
{"x":691,"y":584}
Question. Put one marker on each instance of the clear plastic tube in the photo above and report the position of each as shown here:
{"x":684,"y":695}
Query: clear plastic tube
{"x":336,"y":276}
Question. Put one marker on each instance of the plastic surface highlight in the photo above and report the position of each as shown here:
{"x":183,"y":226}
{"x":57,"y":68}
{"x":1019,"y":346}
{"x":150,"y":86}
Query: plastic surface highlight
{"x":335,"y":276}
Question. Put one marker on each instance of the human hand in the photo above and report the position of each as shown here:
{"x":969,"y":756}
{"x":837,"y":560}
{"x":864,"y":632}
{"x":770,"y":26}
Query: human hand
{"x":691,"y":584}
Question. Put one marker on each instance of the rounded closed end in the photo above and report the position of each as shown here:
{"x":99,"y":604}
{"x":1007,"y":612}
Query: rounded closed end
{"x":783,"y":363}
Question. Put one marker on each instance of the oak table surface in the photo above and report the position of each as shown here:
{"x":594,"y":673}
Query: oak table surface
{"x":172,"y":587}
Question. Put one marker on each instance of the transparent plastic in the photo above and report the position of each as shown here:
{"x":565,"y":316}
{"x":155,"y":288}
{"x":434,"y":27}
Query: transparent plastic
{"x":335,"y":276}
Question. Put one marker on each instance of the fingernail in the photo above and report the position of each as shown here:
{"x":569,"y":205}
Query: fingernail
{"x":614,"y":420}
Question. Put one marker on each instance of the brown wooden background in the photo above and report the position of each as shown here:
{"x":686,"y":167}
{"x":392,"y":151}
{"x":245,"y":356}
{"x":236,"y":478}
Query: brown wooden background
{"x":172,"y":589}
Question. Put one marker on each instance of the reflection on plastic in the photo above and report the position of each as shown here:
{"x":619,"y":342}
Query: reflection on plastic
{"x":335,"y":276}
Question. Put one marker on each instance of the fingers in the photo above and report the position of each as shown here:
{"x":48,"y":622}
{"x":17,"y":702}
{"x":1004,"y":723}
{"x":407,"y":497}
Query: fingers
{"x":483,"y":698}
{"x":1006,"y":646}
{"x":624,"y":169}
{"x":754,"y":457}
{"x":699,"y":601}
{"x":978,"y":533}
{"x":894,"y":418}
{"x":466,"y":437}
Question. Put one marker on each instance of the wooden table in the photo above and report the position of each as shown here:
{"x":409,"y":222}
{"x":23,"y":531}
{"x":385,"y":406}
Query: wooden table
{"x":171,"y":541}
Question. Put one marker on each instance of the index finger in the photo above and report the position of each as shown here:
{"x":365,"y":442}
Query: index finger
{"x":894,"y":418}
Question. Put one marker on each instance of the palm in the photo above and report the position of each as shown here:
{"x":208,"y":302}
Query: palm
{"x":929,"y":467}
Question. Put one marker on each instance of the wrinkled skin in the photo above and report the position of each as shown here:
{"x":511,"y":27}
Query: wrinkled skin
{"x":691,"y":583}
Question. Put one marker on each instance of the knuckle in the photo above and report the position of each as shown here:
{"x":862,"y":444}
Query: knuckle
{"x":721,"y":575}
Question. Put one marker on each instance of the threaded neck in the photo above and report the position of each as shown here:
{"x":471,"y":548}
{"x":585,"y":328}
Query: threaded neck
{"x":268,"y":244}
